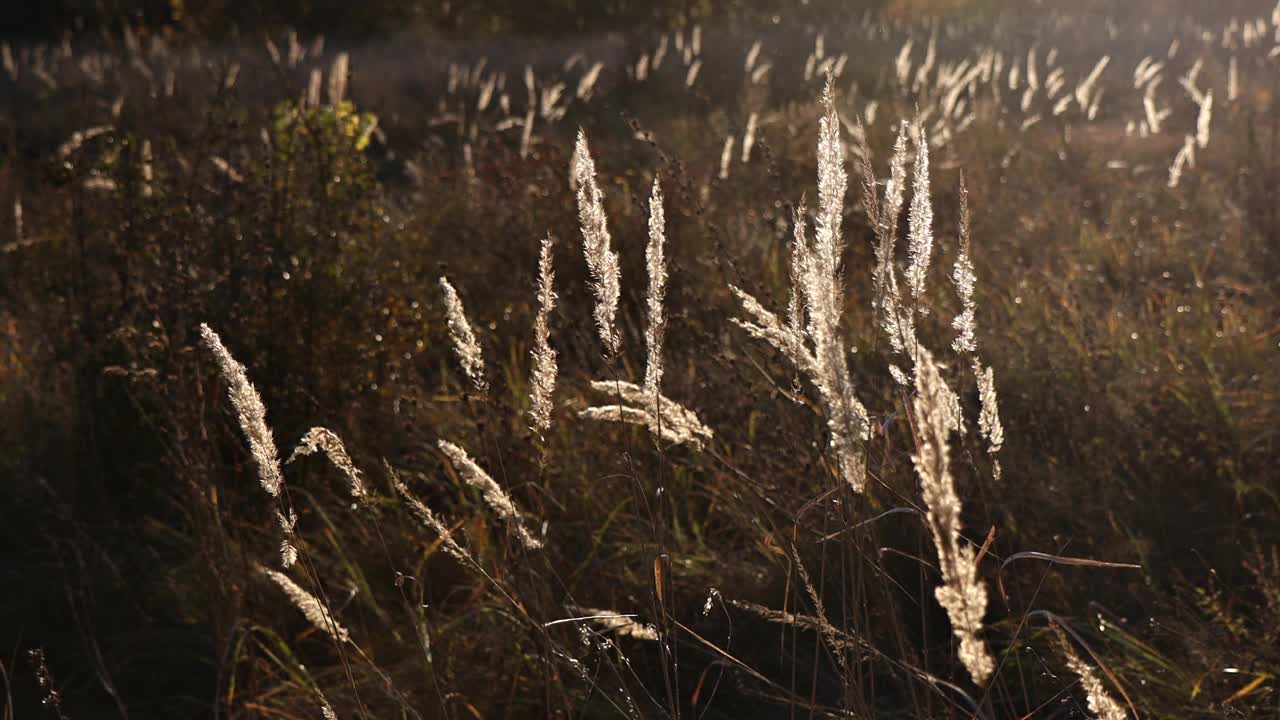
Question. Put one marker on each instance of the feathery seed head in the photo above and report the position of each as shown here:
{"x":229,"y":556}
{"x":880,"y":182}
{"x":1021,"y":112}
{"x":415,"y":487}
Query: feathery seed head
{"x":662,"y":415}
{"x":323,"y":440}
{"x":314,"y":610}
{"x":963,"y":276}
{"x":989,"y":419}
{"x":664,"y":426}
{"x":430,"y":519}
{"x":496,"y":498}
{"x":920,"y":219}
{"x":543,"y":380}
{"x":464,"y":340}
{"x":1101,"y":703}
{"x":250,"y":412}
{"x":602,"y":261}
{"x":961,"y":593}
{"x":288,"y":529}
{"x":655,"y":260}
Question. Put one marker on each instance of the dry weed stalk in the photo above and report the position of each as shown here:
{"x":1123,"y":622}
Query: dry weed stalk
{"x":832,"y":635}
{"x":961,"y":593}
{"x":829,"y":632}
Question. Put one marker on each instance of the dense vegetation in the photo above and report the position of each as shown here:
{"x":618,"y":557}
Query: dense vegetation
{"x":303,"y":198}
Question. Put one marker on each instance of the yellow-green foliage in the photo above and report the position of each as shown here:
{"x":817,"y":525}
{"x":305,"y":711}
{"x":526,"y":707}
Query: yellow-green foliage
{"x":334,"y":135}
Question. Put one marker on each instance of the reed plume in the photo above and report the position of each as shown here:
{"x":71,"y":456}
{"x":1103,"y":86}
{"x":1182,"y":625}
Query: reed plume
{"x":496,"y":498}
{"x":430,"y":520}
{"x":250,"y":412}
{"x":1186,"y":156}
{"x":288,"y":533}
{"x":1101,"y":703}
{"x":252,"y":416}
{"x":752,"y":55}
{"x":896,"y":319}
{"x":726,"y":156}
{"x":963,"y":276}
{"x":543,"y":380}
{"x":815,"y":345}
{"x":618,"y":623}
{"x":656,"y":262}
{"x":314,"y":82}
{"x":227,"y":169}
{"x":749,"y":135}
{"x":602,"y":261}
{"x":989,"y":418}
{"x":79,"y":138}
{"x":325,"y":441}
{"x":961,"y":593}
{"x":464,"y":339}
{"x":1084,"y":91}
{"x":314,"y":610}
{"x":919,"y":219}
{"x":664,"y":417}
{"x":1203,"y":119}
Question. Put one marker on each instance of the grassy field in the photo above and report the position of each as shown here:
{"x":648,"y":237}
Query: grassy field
{"x":800,"y":445}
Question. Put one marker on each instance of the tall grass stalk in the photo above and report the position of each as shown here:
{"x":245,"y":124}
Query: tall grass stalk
{"x":543,"y":378}
{"x":961,"y":593}
{"x":602,"y":261}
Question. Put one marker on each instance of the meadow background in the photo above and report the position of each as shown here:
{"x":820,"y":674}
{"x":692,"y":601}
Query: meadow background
{"x":300,"y":175}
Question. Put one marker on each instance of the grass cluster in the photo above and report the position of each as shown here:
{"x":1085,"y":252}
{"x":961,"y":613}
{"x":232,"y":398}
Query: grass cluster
{"x":593,"y":418}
